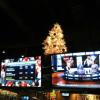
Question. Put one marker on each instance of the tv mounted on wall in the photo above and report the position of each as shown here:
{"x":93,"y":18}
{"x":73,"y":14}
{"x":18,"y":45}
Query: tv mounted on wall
{"x":21,"y":72}
{"x":76,"y":70}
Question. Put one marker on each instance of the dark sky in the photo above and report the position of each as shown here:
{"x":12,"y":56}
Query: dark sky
{"x":26,"y":23}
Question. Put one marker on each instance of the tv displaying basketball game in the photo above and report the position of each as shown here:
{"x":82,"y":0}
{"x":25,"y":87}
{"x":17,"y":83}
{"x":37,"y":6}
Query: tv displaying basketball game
{"x":76,"y":70}
{"x":21,"y":72}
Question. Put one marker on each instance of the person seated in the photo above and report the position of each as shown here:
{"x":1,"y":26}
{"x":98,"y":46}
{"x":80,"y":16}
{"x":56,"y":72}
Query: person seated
{"x":80,"y":71}
{"x":94,"y":68}
{"x":68,"y":63}
{"x":88,"y":61}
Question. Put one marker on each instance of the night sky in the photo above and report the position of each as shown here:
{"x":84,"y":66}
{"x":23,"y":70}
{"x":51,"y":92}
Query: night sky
{"x":27,"y":23}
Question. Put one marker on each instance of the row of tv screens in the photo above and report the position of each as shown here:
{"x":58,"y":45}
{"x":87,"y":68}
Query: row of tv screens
{"x":70,"y":70}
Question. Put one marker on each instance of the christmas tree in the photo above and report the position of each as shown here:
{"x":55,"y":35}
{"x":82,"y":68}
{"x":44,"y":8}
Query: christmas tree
{"x":54,"y":43}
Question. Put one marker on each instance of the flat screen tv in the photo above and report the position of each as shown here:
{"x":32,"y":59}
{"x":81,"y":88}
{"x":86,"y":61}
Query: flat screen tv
{"x":76,"y":70}
{"x":21,"y":72}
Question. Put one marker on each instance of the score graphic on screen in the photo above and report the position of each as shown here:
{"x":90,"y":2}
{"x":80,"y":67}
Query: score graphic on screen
{"x":21,"y":72}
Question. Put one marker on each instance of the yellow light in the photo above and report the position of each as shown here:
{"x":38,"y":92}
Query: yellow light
{"x":54,"y":43}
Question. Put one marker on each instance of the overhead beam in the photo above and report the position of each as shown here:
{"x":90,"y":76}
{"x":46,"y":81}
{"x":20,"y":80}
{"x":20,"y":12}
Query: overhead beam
{"x":12,"y":13}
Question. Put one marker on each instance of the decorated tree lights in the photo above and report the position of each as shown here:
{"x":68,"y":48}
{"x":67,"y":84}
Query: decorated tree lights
{"x":54,"y":43}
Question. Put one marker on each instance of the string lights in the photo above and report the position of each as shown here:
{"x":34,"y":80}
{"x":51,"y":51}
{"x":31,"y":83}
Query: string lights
{"x":54,"y":43}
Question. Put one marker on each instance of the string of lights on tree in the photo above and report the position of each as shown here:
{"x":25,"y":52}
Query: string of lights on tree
{"x":54,"y":42}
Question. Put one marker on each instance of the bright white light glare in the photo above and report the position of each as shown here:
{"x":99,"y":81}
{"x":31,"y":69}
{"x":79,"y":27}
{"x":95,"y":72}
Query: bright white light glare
{"x":3,"y":51}
{"x":22,"y":56}
{"x":79,"y":53}
{"x":65,"y":94}
{"x":89,"y":53}
{"x":97,"y":52}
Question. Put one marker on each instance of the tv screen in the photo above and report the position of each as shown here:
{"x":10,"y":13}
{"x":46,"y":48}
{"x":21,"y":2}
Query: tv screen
{"x":76,"y":70}
{"x":21,"y":72}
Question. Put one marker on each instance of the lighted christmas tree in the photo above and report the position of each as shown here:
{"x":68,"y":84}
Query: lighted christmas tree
{"x":54,"y":43}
